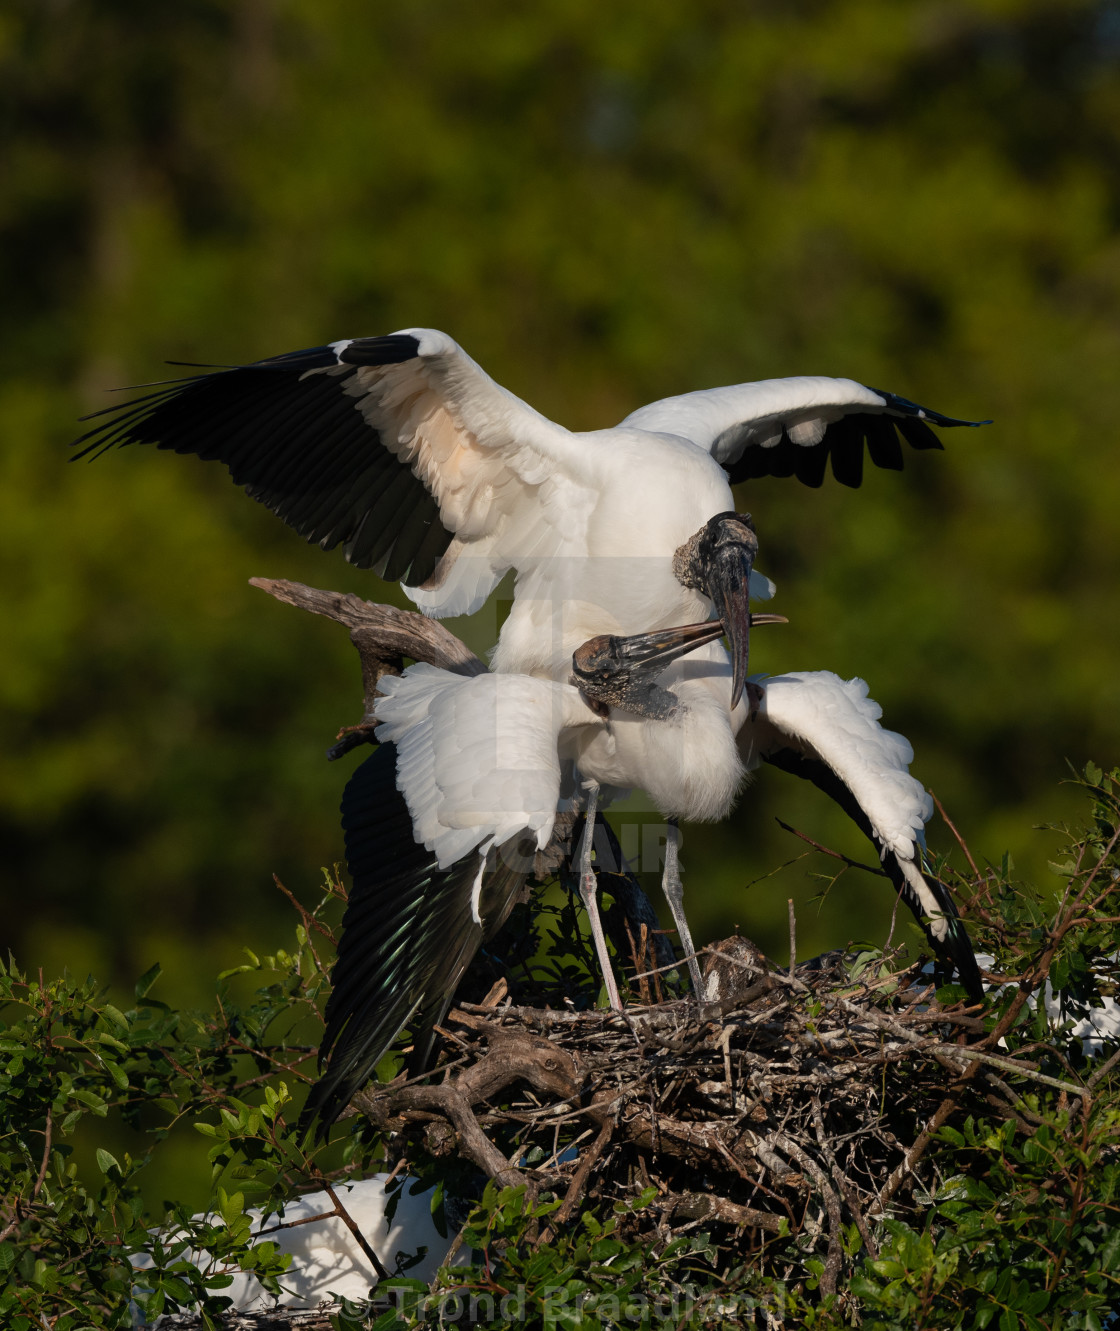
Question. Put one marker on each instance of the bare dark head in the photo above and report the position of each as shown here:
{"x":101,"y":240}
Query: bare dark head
{"x":718,"y":561}
{"x":725,"y":534}
{"x":622,"y":672}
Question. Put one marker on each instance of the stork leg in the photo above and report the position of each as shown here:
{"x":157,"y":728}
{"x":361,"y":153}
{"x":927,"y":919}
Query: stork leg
{"x":673,"y":888}
{"x":589,"y":890}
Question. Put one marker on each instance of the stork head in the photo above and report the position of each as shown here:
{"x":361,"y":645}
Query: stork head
{"x":622,"y":672}
{"x":718,"y":561}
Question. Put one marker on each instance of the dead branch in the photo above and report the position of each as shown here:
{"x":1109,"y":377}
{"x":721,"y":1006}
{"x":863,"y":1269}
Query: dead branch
{"x":380,"y":632}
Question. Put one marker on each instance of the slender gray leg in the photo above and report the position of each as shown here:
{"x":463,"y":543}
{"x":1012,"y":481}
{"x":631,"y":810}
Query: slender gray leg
{"x":588,"y":890}
{"x":673,"y":888}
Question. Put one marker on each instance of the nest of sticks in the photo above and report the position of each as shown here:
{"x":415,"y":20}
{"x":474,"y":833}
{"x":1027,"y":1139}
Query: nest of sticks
{"x":790,"y":1102}
{"x":790,"y":1105}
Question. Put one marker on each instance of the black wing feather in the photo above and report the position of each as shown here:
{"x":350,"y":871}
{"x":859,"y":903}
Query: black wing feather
{"x":843,"y":442}
{"x":955,"y":952}
{"x":809,"y":464}
{"x":408,"y":935}
{"x":847,"y":450}
{"x":883,"y":447}
{"x":296,"y":441}
{"x":918,"y":434}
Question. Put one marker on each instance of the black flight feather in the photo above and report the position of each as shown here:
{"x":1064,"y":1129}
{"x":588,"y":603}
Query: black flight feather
{"x":291,"y":435}
{"x":408,"y":935}
{"x":953,"y":953}
{"x":843,"y":444}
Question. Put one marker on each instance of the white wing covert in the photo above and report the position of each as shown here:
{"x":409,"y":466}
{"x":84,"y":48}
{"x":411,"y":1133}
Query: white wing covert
{"x":815,"y":725}
{"x":822,"y":716}
{"x":478,"y":758}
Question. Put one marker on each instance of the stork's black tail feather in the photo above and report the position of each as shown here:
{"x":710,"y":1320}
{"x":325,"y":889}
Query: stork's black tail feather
{"x":938,"y":915}
{"x":954,"y":950}
{"x":408,"y":934}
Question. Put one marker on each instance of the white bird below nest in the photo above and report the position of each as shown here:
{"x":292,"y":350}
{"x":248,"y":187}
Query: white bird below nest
{"x":328,"y":1264}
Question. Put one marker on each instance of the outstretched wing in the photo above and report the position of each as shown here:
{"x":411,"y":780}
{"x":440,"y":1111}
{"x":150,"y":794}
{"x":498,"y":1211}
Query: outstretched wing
{"x":817,"y":726}
{"x":795,"y":427}
{"x":399,"y":448}
{"x":479,"y":758}
{"x":441,"y":826}
{"x":409,"y":932}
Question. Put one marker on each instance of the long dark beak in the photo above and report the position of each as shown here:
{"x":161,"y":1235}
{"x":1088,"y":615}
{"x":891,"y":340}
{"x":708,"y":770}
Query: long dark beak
{"x":728,"y":577}
{"x":643,"y":650}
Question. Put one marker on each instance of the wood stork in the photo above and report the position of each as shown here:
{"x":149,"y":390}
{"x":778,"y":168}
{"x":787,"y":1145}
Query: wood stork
{"x":434,"y":875}
{"x":404,"y":451}
{"x":401,"y":449}
{"x":327,"y":1262}
{"x":469,"y":767}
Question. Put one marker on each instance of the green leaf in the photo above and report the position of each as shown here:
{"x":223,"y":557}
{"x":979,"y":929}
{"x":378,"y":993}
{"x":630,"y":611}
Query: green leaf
{"x":118,"y":1074}
{"x":231,"y":1206}
{"x":145,"y":982}
{"x":1108,"y":1258}
{"x":106,"y":1161}
{"x":116,"y":1018}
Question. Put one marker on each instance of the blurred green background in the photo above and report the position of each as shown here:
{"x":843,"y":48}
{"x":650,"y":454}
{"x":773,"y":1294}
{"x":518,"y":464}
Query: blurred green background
{"x":605,"y":204}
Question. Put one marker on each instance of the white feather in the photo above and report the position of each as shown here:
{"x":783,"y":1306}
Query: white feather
{"x":725,"y":421}
{"x":583,"y":519}
{"x":327,"y":1262}
{"x":834,"y":720}
{"x":478,"y":757}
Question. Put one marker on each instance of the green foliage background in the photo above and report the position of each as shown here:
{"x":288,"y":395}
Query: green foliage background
{"x":605,"y":204}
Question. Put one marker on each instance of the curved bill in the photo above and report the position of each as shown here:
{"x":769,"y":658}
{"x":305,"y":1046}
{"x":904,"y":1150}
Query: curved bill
{"x":728,"y":578}
{"x":642,"y":650}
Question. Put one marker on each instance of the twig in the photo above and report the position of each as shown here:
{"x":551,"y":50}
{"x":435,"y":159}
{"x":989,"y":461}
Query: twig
{"x":48,"y":1129}
{"x":587,"y":1163}
{"x":953,"y":1051}
{"x":959,"y":839}
{"x":1103,"y":1070}
{"x":308,"y":921}
{"x":350,"y":1223}
{"x":831,"y":1205}
{"x":835,"y":854}
{"x":842,"y":1183}
{"x":921,"y":1144}
{"x":700,"y":1207}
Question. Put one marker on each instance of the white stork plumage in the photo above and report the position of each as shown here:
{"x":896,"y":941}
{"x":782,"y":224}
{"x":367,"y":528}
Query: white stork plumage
{"x":405,"y":452}
{"x":468,"y":767}
{"x":327,"y":1262}
{"x":402,"y":450}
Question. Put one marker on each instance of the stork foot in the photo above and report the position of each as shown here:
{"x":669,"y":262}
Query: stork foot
{"x":350,"y":737}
